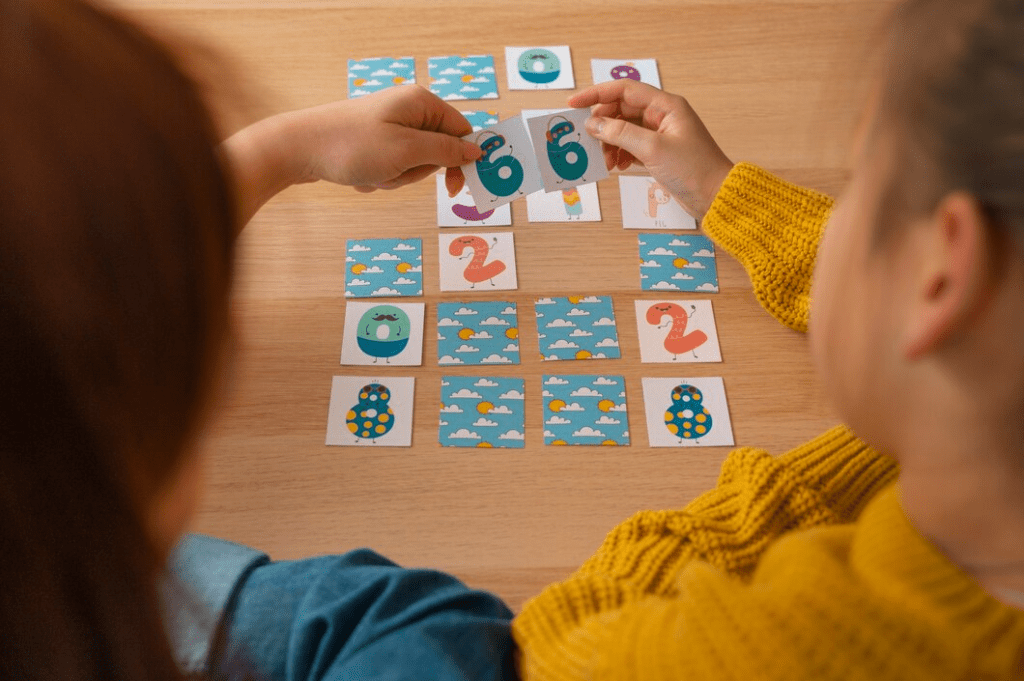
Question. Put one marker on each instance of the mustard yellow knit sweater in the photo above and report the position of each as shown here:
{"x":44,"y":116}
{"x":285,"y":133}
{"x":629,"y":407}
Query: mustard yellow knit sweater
{"x":798,"y":567}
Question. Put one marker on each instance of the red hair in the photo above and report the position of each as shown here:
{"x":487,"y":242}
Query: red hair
{"x":116,"y":236}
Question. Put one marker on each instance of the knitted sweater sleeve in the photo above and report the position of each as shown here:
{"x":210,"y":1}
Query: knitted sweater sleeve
{"x":588,"y":625}
{"x":773,"y":228}
{"x":826,"y":482}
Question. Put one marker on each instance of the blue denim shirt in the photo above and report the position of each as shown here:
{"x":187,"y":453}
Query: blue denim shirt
{"x":349,"y":616}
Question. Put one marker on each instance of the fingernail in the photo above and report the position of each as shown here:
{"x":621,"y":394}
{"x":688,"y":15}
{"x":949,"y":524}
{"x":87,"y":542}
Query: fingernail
{"x":595,"y":125}
{"x":470,"y":151}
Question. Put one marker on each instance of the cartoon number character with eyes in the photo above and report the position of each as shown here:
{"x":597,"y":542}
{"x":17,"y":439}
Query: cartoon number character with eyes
{"x":687,"y":418}
{"x":625,"y":71}
{"x":677,"y":341}
{"x":539,"y":66}
{"x":371,"y":417}
{"x":383,"y":332}
{"x":568,"y":159}
{"x":476,"y":271}
{"x":500,"y":175}
{"x":572,"y":203}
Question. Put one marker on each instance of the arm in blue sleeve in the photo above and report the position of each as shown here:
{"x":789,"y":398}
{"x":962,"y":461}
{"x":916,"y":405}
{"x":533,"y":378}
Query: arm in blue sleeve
{"x":360,"y":616}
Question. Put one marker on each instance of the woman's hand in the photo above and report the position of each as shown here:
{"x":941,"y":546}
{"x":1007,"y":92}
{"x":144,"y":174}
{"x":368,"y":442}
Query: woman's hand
{"x":638,"y":122}
{"x":382,"y":141}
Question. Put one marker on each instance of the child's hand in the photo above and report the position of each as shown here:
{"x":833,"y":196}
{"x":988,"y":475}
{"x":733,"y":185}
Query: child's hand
{"x":381,"y":141}
{"x":639,"y":122}
{"x":387,"y":140}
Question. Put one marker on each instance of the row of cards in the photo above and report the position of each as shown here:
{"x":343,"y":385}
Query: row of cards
{"x":550,"y":150}
{"x":646,"y":204}
{"x":489,"y":412}
{"x":487,"y":262}
{"x":463,"y":77}
{"x":487,"y":333}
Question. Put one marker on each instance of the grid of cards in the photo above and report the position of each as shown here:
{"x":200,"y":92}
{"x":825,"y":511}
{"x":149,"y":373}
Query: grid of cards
{"x":546,"y":157}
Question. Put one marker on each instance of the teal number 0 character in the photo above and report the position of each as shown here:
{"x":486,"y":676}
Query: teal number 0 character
{"x":501,"y":176}
{"x":383,"y":332}
{"x":568,"y":160}
{"x":539,"y":66}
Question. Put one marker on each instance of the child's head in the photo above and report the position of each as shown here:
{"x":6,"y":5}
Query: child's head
{"x":918,"y":307}
{"x":116,"y":230}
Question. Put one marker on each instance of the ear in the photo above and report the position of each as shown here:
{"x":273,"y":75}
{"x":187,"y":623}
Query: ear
{"x":548,"y":135}
{"x":950,"y":288}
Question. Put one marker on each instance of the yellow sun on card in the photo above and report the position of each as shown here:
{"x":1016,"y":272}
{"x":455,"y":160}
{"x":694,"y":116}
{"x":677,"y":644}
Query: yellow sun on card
{"x":403,"y":267}
{"x":583,"y":354}
{"x":485,"y":444}
{"x":575,"y":300}
{"x":512,"y":333}
{"x":358,"y":268}
{"x":484,"y":407}
{"x":680,"y":262}
{"x":464,"y":334}
{"x":605,"y":405}
{"x":556,"y":405}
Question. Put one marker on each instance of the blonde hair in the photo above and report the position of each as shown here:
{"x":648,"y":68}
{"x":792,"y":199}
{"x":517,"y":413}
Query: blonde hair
{"x":953,"y":101}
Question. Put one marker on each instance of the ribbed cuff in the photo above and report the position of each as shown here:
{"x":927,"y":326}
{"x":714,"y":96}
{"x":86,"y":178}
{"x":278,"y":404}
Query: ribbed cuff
{"x":772,"y":227}
{"x":845,"y":473}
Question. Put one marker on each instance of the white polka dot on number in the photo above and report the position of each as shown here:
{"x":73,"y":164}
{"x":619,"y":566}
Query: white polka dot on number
{"x":504,"y":172}
{"x":538,"y":66}
{"x":370,"y":413}
{"x":687,"y":413}
{"x":571,"y":157}
{"x":373,"y":397}
{"x":686,"y":398}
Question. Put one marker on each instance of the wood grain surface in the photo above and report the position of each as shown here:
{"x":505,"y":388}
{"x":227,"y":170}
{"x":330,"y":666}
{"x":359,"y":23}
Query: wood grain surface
{"x":777,"y":83}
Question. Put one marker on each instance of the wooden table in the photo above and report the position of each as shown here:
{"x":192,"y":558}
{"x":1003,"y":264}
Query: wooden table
{"x":777,"y":83}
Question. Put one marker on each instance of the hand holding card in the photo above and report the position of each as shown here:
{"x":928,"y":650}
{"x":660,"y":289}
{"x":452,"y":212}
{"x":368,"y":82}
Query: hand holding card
{"x":507,"y":168}
{"x":567,"y":155}
{"x":636,"y":121}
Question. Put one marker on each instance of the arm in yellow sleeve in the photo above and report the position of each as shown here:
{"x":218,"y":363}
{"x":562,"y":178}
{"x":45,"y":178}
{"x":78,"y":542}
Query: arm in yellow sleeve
{"x":759,"y":497}
{"x":772,"y":227}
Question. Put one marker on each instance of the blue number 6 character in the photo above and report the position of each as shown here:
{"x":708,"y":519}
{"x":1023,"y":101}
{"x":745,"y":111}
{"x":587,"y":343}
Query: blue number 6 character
{"x":501,"y":176}
{"x":568,"y":160}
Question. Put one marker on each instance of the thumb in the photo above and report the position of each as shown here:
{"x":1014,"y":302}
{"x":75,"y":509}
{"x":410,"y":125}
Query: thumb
{"x":638,"y":141}
{"x":440,"y":149}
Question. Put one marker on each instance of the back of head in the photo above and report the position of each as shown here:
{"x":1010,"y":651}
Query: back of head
{"x":116,"y":229}
{"x":953,"y":100}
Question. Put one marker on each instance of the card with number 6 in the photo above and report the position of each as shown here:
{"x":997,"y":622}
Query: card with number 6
{"x":507,"y":170}
{"x":567,"y":155}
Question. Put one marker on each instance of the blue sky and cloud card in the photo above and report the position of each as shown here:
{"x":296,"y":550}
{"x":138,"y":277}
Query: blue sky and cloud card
{"x":383,"y":267}
{"x":585,"y":410}
{"x":481,"y":119}
{"x":366,"y":76}
{"x":577,"y":327}
{"x":482,"y":412}
{"x":483,"y":333}
{"x":463,"y":77}
{"x":677,"y":262}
